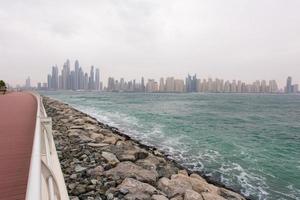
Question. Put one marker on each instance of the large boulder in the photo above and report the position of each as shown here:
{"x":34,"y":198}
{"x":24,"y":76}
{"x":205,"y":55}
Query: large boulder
{"x":97,"y":171}
{"x":128,"y":169}
{"x":211,"y":196}
{"x":110,"y":157}
{"x":136,"y":190}
{"x":197,"y":184}
{"x":227,"y":194}
{"x":192,"y":195}
{"x":173,"y":187}
{"x":126,"y":151}
{"x":159,"y":197}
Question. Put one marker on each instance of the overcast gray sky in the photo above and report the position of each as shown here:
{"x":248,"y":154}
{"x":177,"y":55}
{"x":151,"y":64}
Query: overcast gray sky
{"x":230,"y":39}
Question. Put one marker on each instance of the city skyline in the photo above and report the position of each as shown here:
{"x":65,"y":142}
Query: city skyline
{"x":72,"y":77}
{"x":226,"y":39}
{"x":103,"y":83}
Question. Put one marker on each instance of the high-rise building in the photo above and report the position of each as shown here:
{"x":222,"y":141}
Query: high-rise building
{"x":111,"y":84}
{"x":178,"y":85}
{"x":66,"y":76}
{"x":289,"y":87}
{"x":27,"y":83}
{"x":191,"y":83}
{"x":86,"y":81}
{"x":97,"y":80}
{"x":151,"y":86}
{"x":49,"y":81}
{"x":55,"y":78}
{"x":273,"y":87}
{"x":81,"y":79}
{"x":161,"y":85}
{"x":295,"y":88}
{"x":143,"y":85}
{"x":170,"y":84}
{"x":92,"y":79}
{"x":77,"y":76}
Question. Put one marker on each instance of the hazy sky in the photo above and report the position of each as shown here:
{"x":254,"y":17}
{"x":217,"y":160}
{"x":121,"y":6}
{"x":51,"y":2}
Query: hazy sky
{"x":230,"y":39}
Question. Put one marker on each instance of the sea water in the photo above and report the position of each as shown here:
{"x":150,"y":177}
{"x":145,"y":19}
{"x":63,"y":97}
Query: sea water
{"x":249,"y":142}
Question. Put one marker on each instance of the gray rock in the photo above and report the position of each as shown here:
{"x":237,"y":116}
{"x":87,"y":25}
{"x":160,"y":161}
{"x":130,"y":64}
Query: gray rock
{"x":71,"y":186}
{"x":111,"y":158}
{"x":172,"y":188}
{"x":192,"y":195}
{"x":80,"y":189}
{"x":77,"y":127}
{"x":177,"y":197}
{"x":110,"y":140}
{"x":96,"y":136}
{"x":227,"y":194}
{"x":73,"y":176}
{"x":85,"y":138}
{"x":129,"y":169}
{"x":97,"y":171}
{"x":158,"y":197}
{"x":211,"y":196}
{"x":136,"y":189}
{"x":110,"y":196}
{"x":97,"y":144}
{"x":94,"y":181}
{"x":79,"y":168}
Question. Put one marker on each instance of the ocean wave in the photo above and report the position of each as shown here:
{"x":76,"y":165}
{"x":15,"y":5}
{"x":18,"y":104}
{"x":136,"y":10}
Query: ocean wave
{"x":252,"y":184}
{"x":231,"y":174}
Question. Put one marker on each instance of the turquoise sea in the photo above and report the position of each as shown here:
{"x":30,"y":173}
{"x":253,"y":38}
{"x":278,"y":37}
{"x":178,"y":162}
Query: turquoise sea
{"x":249,"y":142}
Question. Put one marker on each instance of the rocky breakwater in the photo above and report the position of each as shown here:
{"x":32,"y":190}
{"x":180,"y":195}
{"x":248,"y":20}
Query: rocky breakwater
{"x":99,"y":162}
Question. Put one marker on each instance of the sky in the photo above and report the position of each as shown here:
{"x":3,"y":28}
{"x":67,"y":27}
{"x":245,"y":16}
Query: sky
{"x":230,"y":39}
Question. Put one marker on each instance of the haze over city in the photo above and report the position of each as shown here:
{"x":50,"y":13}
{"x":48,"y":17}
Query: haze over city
{"x":246,"y":40}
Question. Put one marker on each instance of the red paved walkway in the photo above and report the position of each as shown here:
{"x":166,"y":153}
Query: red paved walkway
{"x":17,"y":125}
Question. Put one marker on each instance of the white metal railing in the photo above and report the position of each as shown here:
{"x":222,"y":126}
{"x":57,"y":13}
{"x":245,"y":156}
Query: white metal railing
{"x":45,"y":180}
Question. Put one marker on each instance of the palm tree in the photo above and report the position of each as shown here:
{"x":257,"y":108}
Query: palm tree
{"x":2,"y":86}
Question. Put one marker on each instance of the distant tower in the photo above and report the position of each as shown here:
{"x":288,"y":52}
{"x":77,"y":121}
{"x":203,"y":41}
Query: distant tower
{"x":55,"y":78}
{"x":97,"y":79}
{"x":92,"y":78}
{"x":288,"y":88}
{"x":77,"y":77}
{"x":188,"y":83}
{"x":27,"y":83}
{"x":143,"y":85}
{"x":161,"y":85}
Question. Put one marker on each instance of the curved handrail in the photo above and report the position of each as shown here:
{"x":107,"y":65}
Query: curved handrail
{"x":44,"y":161}
{"x":33,"y":191}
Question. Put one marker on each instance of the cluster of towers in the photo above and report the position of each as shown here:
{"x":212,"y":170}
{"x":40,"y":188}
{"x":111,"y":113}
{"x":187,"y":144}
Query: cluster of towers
{"x":290,"y":88}
{"x":75,"y":79}
{"x":192,"y":84}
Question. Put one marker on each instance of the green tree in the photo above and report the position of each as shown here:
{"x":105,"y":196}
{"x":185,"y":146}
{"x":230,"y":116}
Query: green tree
{"x":2,"y":84}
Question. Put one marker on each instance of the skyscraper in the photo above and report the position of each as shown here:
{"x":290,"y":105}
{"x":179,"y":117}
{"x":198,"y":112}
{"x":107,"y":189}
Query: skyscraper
{"x":170,"y":84}
{"x":191,"y":83}
{"x":97,"y":79}
{"x":161,"y":85}
{"x":76,"y":78}
{"x":27,"y":83}
{"x":55,"y":77}
{"x":289,"y":87}
{"x":142,"y":85}
{"x":49,"y":81}
{"x":92,"y":79}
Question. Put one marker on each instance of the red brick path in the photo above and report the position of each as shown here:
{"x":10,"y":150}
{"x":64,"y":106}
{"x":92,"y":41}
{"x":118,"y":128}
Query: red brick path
{"x":17,"y":125}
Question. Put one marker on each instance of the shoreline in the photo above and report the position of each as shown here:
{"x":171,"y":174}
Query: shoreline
{"x":196,"y":185}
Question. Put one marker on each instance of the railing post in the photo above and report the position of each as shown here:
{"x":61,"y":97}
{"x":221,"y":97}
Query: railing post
{"x":47,"y":125}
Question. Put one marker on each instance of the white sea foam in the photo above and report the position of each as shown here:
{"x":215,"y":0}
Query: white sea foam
{"x":175,"y":146}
